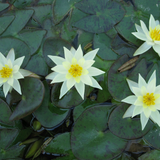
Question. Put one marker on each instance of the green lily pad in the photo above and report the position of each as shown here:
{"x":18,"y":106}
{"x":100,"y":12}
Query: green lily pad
{"x":33,"y":38}
{"x":90,"y":138}
{"x":121,"y":47}
{"x":104,"y":15}
{"x":116,"y":79}
{"x":21,"y":18}
{"x":6,"y":138}
{"x":53,"y":46}
{"x":20,"y":48}
{"x":37,"y":65}
{"x":32,"y":96}
{"x":103,"y":42}
{"x":5,"y":21}
{"x":61,"y":8}
{"x":151,"y":155}
{"x":127,"y":128}
{"x":124,"y":156}
{"x":67,"y":100}
{"x":3,"y":6}
{"x":47,"y":118}
{"x":5,"y":113}
{"x":22,"y":3}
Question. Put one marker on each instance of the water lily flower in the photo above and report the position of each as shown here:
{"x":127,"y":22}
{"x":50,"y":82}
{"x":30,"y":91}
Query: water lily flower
{"x":151,"y":37}
{"x":145,"y":101}
{"x":10,"y":72}
{"x":75,"y":70}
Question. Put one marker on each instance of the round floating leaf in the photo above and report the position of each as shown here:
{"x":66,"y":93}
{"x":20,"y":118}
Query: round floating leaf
{"x":53,"y":46}
{"x":104,"y":15}
{"x":37,"y":65}
{"x":3,"y":6}
{"x":32,"y":96}
{"x":127,"y":128}
{"x":20,"y":48}
{"x":5,"y":113}
{"x":33,"y":38}
{"x":103,"y":42}
{"x":91,"y":140}
{"x":5,"y":21}
{"x":21,"y":18}
{"x":151,"y":155}
{"x":70,"y":99}
{"x":45,"y":116}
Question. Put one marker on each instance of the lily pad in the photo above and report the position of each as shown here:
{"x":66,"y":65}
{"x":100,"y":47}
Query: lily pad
{"x":103,"y":42}
{"x":53,"y":46}
{"x":3,"y":6}
{"x":152,"y":155}
{"x":104,"y":15}
{"x":32,"y":96}
{"x":21,"y":18}
{"x":20,"y":48}
{"x":127,"y":128}
{"x":90,"y":138}
{"x":45,"y":116}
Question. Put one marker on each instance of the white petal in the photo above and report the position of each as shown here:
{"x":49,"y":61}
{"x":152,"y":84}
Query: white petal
{"x":68,"y":55}
{"x":143,"y":90}
{"x":73,"y":51}
{"x":152,"y":23}
{"x":6,"y":88}
{"x":79,"y":53}
{"x":143,"y":48}
{"x":151,"y":86}
{"x":157,"y":106}
{"x":141,"y":82}
{"x":10,"y":81}
{"x":157,"y":22}
{"x":137,"y":110}
{"x":11,"y":55}
{"x":131,"y":84}
{"x":25,"y":72}
{"x":59,"y":78}
{"x":18,"y":61}
{"x":147,"y":112}
{"x":151,"y":43}
{"x":137,"y":91}
{"x":95,"y":83}
{"x":144,"y":120}
{"x":153,"y":76}
{"x":59,"y":69}
{"x":156,"y":47}
{"x":129,"y":111}
{"x":157,"y":90}
{"x":63,"y":90}
{"x":155,"y":116}
{"x":70,"y":83}
{"x":86,"y":79}
{"x":130,"y":99}
{"x":17,"y":86}
{"x":90,"y":55}
{"x":57,"y":60}
{"x":80,"y":88}
{"x":3,"y":60}
{"x":157,"y":42}
{"x":138,"y":28}
{"x":51,"y":75}
{"x":140,"y":35}
{"x":88,"y":64}
{"x":95,"y":71}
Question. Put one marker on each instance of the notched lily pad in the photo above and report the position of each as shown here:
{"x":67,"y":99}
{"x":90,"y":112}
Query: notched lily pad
{"x":127,"y":128}
{"x":90,"y":138}
{"x":104,"y":15}
{"x":32,"y":96}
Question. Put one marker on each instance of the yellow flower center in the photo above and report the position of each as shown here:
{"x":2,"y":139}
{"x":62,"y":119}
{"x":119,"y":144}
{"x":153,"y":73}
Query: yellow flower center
{"x":149,"y":99}
{"x":75,"y":70}
{"x":6,"y":71}
{"x":155,"y":34}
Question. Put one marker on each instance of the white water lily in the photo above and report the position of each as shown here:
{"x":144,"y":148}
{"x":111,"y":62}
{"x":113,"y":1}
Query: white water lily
{"x":10,"y":72}
{"x":145,"y":101}
{"x":75,"y":69}
{"x":151,"y":37}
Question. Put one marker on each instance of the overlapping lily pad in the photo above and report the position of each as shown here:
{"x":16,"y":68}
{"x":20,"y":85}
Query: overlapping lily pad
{"x":104,"y":15}
{"x":32,"y":96}
{"x":90,"y":138}
{"x":127,"y":128}
{"x":3,"y":6}
{"x":45,"y":116}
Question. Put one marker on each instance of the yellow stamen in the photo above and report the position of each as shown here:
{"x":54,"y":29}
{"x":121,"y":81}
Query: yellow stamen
{"x":155,"y":34}
{"x":75,"y":70}
{"x":149,"y":99}
{"x":6,"y":71}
